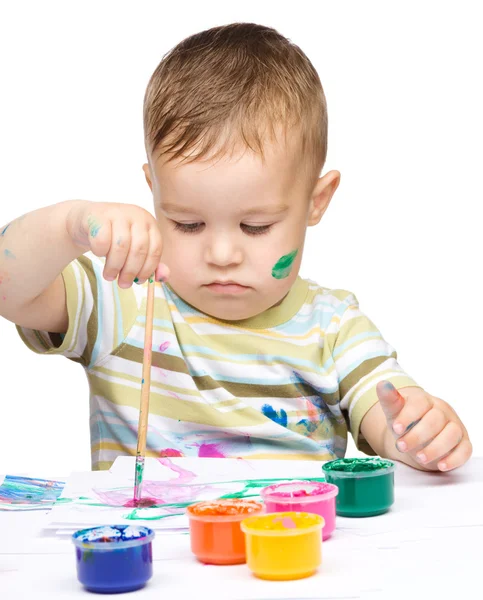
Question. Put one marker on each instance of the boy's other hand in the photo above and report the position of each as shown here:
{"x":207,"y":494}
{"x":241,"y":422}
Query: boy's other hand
{"x":427,"y":428}
{"x":127,"y":235}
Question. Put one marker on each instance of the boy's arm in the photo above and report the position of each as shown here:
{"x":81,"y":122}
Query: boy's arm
{"x":428,"y":432}
{"x":34,"y":249}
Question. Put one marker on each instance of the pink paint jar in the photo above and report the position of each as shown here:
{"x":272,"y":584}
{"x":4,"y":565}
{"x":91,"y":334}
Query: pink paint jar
{"x":303,"y":496}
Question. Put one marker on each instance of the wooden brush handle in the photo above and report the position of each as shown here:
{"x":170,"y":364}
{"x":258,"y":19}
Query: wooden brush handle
{"x":146,"y":380}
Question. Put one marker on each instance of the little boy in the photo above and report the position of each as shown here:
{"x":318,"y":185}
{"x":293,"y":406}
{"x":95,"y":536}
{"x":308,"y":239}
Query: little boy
{"x":249,"y":360}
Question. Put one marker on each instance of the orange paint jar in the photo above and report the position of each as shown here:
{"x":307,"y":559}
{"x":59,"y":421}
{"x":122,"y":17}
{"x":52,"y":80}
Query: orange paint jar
{"x":216,"y":537}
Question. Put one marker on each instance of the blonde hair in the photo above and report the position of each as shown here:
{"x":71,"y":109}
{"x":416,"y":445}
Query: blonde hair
{"x":233,"y":84}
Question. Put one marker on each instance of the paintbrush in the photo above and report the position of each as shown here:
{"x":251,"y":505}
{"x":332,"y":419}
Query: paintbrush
{"x":145,"y":390}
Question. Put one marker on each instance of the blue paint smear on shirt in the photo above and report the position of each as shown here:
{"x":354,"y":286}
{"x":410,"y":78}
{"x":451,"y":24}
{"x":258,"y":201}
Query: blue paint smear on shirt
{"x":272,"y":414}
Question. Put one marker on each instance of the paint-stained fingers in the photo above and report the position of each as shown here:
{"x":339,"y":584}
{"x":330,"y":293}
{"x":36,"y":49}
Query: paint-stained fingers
{"x":445,"y":442}
{"x":390,"y":400}
{"x":154,"y":254}
{"x":457,"y":457}
{"x":99,"y":234}
{"x":415,"y":408}
{"x":121,"y":243}
{"x":138,"y":251}
{"x":423,"y":431}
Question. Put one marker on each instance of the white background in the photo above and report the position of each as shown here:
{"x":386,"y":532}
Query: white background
{"x":403,"y":83}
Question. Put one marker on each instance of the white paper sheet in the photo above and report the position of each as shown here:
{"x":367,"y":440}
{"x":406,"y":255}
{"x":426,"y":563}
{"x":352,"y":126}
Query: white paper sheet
{"x":95,"y":498}
{"x":422,"y":499}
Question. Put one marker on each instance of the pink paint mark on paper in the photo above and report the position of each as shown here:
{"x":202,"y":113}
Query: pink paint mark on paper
{"x":210,"y":451}
{"x":141,"y":503}
{"x":164,"y":346}
{"x":184,"y":476}
{"x":114,"y":497}
{"x":157,"y":493}
{"x":174,"y":395}
{"x":170,"y":453}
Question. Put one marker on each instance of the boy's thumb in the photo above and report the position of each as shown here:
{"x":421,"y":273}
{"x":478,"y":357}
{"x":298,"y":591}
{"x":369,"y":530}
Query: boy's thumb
{"x":391,"y":400}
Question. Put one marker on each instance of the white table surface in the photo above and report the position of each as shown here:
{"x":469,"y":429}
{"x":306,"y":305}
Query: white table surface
{"x":430,"y":545}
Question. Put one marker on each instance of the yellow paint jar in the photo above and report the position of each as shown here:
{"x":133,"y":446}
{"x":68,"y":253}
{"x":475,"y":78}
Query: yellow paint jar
{"x":284,"y":545}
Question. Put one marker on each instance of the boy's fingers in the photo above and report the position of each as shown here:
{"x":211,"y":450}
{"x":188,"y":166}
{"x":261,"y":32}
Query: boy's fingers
{"x":99,"y":236}
{"x":121,"y":242}
{"x":457,"y":457}
{"x":401,"y":414}
{"x":154,"y":255}
{"x":136,"y":258}
{"x":422,"y":431}
{"x":443,"y":443}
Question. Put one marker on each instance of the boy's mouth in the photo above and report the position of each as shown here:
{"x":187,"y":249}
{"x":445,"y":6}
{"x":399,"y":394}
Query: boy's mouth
{"x":226,"y":287}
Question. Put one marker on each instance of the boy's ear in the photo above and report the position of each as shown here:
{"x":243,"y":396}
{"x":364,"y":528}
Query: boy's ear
{"x":147,"y":175}
{"x":322,"y":195}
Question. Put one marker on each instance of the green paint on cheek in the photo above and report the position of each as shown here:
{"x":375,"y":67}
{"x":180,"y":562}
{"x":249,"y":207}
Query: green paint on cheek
{"x":283,"y":266}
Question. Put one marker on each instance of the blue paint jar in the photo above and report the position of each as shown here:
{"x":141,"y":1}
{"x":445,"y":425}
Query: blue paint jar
{"x":114,"y":558}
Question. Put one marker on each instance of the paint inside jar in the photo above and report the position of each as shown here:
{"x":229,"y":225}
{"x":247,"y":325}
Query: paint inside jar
{"x":215,"y":534}
{"x":114,"y":558}
{"x":366,"y":485}
{"x":304,"y":496}
{"x":283,"y":546}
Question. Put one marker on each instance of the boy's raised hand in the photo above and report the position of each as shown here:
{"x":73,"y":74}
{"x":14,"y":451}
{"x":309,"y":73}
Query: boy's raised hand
{"x":127,"y":235}
{"x":426,"y":427}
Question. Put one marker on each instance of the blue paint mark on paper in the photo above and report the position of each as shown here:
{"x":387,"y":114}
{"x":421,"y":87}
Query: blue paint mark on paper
{"x":3,"y":232}
{"x":271,"y":413}
{"x":9,"y":254}
{"x":25,"y":493}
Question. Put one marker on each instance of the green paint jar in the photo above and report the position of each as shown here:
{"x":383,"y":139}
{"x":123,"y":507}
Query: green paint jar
{"x":366,"y":485}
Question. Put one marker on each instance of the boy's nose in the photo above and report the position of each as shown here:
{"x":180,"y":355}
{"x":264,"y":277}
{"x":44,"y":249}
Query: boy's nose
{"x":223,"y":252}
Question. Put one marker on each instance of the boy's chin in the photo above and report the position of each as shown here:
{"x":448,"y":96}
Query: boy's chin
{"x":229,"y":313}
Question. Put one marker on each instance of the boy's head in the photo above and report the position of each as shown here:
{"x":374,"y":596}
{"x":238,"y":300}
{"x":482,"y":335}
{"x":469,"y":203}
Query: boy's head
{"x":235,"y":125}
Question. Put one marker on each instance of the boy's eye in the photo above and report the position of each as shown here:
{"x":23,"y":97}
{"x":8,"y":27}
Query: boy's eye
{"x":255,"y":229}
{"x":188,"y":227}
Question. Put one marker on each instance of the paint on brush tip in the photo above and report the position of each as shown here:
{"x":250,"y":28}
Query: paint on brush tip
{"x":138,"y":477}
{"x":283,"y":266}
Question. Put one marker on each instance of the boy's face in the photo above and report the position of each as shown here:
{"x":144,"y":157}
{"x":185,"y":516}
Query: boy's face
{"x":227,"y":224}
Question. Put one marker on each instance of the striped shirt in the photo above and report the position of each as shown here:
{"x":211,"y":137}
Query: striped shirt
{"x":287,"y":383}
